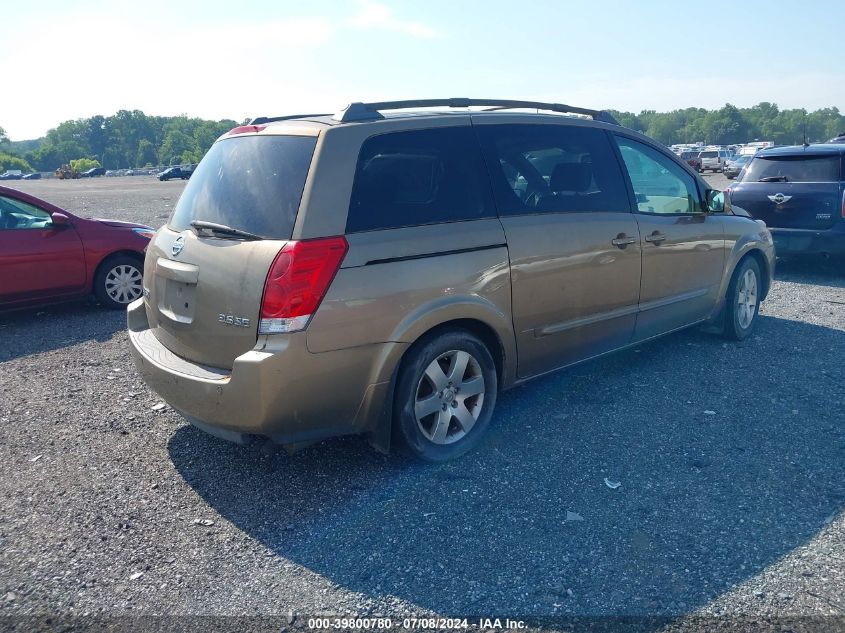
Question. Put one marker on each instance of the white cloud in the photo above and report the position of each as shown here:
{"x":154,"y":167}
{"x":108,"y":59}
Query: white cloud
{"x":237,"y":69}
{"x":372,"y":15}
{"x":231,"y":71}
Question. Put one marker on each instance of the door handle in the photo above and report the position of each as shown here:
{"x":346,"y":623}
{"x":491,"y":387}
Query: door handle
{"x":656,"y":237}
{"x":622,"y":240}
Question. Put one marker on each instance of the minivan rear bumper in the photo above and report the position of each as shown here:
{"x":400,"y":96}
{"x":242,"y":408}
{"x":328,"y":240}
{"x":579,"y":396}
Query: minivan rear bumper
{"x":278,"y":390}
{"x":810,"y":241}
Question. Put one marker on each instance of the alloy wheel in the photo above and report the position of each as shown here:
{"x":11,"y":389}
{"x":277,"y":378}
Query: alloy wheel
{"x":746,"y":299}
{"x":449,"y":397}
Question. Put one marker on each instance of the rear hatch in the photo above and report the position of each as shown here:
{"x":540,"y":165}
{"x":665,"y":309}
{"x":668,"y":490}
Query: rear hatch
{"x":709,"y":159}
{"x":206,"y":270}
{"x":800,"y":191}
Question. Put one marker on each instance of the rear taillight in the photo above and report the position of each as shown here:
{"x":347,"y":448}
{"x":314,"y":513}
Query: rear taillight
{"x":297,"y":282}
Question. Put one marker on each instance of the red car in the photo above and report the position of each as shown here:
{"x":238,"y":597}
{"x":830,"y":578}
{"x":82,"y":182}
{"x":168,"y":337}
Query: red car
{"x":48,"y":255}
{"x":692,"y":159}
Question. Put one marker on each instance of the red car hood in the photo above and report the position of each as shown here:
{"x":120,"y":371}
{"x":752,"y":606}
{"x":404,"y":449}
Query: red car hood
{"x":120,"y":223}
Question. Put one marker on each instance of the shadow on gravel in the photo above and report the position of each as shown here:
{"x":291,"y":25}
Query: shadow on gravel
{"x":37,"y":330}
{"x":812,"y":270}
{"x":728,"y":457}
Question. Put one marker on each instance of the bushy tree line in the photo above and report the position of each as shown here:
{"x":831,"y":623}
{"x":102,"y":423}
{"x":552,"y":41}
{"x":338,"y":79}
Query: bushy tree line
{"x":125,"y":139}
{"x":7,"y":159}
{"x":730,"y":124}
{"x":84,"y":164}
{"x":134,"y":139}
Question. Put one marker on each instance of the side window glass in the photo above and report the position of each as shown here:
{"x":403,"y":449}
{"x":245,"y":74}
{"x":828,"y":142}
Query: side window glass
{"x":552,"y":169}
{"x":660,"y":185}
{"x":419,"y":177}
{"x":16,"y":214}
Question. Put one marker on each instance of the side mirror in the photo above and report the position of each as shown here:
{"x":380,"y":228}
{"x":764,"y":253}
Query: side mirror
{"x":59,"y":219}
{"x":715,"y":201}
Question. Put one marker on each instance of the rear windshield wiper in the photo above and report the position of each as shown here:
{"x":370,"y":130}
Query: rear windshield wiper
{"x":774,"y":179}
{"x":222,"y":229}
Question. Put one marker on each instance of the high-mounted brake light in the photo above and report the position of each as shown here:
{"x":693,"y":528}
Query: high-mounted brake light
{"x":246,"y":129}
{"x":297,"y":282}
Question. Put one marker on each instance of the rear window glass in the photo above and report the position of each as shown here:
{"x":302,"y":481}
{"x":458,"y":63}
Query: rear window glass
{"x":419,"y":177}
{"x":553,"y":169}
{"x":251,"y":183}
{"x":708,"y":154}
{"x":793,"y":169}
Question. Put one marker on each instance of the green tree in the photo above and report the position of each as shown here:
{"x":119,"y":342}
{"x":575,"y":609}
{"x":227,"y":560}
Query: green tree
{"x":146,"y":153}
{"x":84,"y":164}
{"x":626,"y":119}
{"x":45,"y":158}
{"x":7,"y":161}
{"x":176,"y":143}
{"x":69,"y":150}
{"x":97,"y":136}
{"x":729,"y":124}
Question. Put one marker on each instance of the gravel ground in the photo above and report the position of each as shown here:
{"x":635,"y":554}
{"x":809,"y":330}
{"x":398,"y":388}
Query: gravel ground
{"x":731,"y":459}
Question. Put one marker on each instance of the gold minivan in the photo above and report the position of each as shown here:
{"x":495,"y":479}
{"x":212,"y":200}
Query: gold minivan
{"x":388,"y":270}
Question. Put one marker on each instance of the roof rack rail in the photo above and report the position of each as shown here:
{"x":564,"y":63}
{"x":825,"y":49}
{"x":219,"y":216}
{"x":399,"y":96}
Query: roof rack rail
{"x":370,"y":111}
{"x":272,"y":119}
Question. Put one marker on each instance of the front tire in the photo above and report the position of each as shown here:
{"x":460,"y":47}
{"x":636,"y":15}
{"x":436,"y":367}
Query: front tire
{"x":742,"y":303}
{"x":445,"y":395}
{"x":119,"y":281}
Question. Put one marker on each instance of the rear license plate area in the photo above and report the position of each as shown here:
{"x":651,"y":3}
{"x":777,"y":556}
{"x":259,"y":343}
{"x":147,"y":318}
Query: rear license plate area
{"x":176,"y":299}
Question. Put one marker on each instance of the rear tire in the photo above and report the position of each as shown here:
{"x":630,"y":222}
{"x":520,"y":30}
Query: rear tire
{"x":445,"y":395}
{"x":119,"y":281}
{"x":742,"y":302}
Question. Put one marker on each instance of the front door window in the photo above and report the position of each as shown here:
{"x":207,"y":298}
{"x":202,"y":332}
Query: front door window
{"x":16,"y":214}
{"x":660,"y":185}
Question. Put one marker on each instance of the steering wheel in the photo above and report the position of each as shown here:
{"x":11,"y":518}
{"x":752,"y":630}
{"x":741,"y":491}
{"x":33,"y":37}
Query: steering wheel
{"x":533,"y":194}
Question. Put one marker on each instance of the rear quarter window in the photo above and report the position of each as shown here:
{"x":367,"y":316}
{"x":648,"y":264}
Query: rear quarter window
{"x":801,"y":168}
{"x":419,"y":177}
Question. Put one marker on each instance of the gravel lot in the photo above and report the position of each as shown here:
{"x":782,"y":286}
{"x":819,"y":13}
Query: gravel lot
{"x":731,"y":459}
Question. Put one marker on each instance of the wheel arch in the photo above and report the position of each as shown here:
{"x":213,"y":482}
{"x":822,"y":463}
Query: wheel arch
{"x":479,"y":328}
{"x":762,"y":262}
{"x":380,"y":435}
{"x":489,"y":321}
{"x":108,"y":257}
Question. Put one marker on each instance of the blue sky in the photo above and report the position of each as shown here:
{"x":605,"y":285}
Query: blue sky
{"x":236,"y":60}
